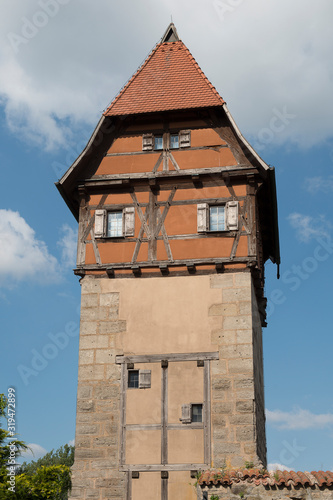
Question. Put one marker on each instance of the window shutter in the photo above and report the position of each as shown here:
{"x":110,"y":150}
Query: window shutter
{"x":144,"y":379}
{"x":186,"y":414}
{"x":184,"y":138}
{"x":129,"y":221}
{"x":232,"y":215}
{"x":202,"y":217}
{"x":100,"y":218}
{"x":147,"y":142}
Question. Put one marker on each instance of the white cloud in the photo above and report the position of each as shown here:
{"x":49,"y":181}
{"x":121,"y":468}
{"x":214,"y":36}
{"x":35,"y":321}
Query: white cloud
{"x":277,"y":466}
{"x":308,"y":227}
{"x":298,"y":419}
{"x":68,"y":243}
{"x":35,"y":452}
{"x":63,"y":74}
{"x":318,"y":184}
{"x":22,"y":255}
{"x":71,"y":442}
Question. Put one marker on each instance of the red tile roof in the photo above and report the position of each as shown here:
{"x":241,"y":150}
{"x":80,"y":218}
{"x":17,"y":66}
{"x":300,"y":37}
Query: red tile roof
{"x":169,"y":79}
{"x":275,"y":478}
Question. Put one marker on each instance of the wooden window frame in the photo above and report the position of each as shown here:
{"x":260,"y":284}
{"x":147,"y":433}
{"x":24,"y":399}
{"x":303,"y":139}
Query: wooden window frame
{"x":128,"y":223}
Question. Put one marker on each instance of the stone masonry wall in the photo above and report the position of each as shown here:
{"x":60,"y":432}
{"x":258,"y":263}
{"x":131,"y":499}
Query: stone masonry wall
{"x":234,"y":391}
{"x":248,"y":491}
{"x":98,"y":401}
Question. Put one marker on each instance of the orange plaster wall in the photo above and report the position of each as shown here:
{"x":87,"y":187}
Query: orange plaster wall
{"x":127,"y":144}
{"x":205,"y":137}
{"x":127,"y":164}
{"x":201,"y":248}
{"x":112,"y":199}
{"x":207,"y":158}
{"x":181,"y":219}
{"x":208,"y":192}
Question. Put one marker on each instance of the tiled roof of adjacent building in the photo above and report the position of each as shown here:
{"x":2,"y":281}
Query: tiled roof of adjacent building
{"x":169,"y":79}
{"x":276,"y":478}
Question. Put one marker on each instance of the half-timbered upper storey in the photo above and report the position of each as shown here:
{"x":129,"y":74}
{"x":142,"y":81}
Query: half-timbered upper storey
{"x":167,"y":183}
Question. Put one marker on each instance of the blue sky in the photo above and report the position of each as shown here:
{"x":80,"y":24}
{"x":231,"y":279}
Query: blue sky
{"x":61,"y":63}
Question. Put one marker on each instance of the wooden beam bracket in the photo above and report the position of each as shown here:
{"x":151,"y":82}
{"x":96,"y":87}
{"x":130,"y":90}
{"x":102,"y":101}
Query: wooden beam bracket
{"x":136,"y":270}
{"x":219,"y":266}
{"x":79,"y":272}
{"x":191,"y":268}
{"x":164,"y":474}
{"x":164,"y":270}
{"x":110,"y":272}
{"x":135,"y":474}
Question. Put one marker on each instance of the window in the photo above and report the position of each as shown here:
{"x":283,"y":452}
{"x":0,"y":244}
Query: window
{"x":139,"y":379}
{"x":133,"y":379}
{"x":158,"y":142}
{"x":192,"y":413}
{"x":114,"y":224}
{"x":174,"y":141}
{"x":196,"y":412}
{"x":217,"y":217}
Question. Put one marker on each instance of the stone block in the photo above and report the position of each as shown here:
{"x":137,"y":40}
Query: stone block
{"x":220,"y":384}
{"x":245,"y":307}
{"x":86,"y":357}
{"x":85,"y":405}
{"x":243,"y":383}
{"x":244,"y":366}
{"x":90,"y":285}
{"x":89,"y":300}
{"x":88,"y":327}
{"x":243,"y":279}
{"x":92,"y":493}
{"x":243,"y":419}
{"x":244,"y":406}
{"x":241,"y":351}
{"x":221,"y":447}
{"x":109,"y":299}
{"x":244,"y":336}
{"x":223,"y":309}
{"x":106,"y":391}
{"x":87,"y":429}
{"x":219,"y":367}
{"x":91,"y":372}
{"x":86,"y":453}
{"x":106,"y":442}
{"x":104,"y":356}
{"x":84,"y":391}
{"x":107,"y":327}
{"x":218,"y":419}
{"x":237,"y":322}
{"x":245,"y":393}
{"x":221,"y":336}
{"x":236,"y":294}
{"x":94,"y":314}
{"x":82,"y":442}
{"x":245,"y":433}
{"x":94,"y":342}
{"x":222,"y":408}
{"x":222,"y":281}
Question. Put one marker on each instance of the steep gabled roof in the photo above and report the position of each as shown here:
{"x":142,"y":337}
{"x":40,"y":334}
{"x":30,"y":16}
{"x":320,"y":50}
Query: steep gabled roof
{"x":169,"y":79}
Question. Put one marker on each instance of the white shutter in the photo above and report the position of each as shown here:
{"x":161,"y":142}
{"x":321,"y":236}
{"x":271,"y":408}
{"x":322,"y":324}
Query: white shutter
{"x":186,"y":414}
{"x":100,"y":219}
{"x":147,"y":142}
{"x":129,"y":221}
{"x":184,"y":138}
{"x":202,"y":217}
{"x":232,"y":215}
{"x":144,"y":379}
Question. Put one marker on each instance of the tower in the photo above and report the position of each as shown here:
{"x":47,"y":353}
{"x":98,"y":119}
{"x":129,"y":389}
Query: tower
{"x":177,"y":216}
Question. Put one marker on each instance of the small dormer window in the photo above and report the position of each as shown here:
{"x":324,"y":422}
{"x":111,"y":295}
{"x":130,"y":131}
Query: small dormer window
{"x":158,"y":142}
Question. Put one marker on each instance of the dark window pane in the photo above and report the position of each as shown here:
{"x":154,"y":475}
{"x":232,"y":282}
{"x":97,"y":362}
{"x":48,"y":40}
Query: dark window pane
{"x":174,"y":141}
{"x":158,"y":142}
{"x":133,"y":379}
{"x":197,"y":413}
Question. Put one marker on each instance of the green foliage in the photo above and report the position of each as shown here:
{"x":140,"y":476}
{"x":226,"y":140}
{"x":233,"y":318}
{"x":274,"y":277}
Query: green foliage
{"x":248,"y":465}
{"x":214,"y":497}
{"x":47,"y":478}
{"x":51,"y":482}
{"x":62,"y":456}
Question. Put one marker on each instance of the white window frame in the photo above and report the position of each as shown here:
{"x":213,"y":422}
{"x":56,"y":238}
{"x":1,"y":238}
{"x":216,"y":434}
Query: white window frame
{"x":230,"y":216}
{"x":184,"y":140}
{"x":128,"y":222}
